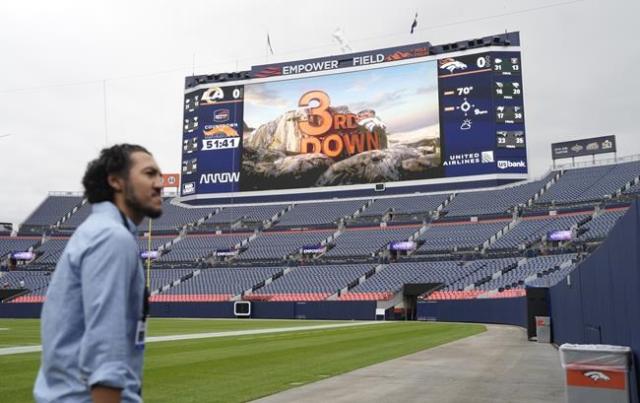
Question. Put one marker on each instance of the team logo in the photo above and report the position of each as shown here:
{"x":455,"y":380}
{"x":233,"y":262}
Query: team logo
{"x":221,"y":115}
{"x":597,"y":376}
{"x":451,"y":65}
{"x":212,"y":95}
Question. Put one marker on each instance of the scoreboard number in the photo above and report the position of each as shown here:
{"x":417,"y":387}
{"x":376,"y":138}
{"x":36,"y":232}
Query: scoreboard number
{"x":220,"y":143}
{"x":510,"y":139}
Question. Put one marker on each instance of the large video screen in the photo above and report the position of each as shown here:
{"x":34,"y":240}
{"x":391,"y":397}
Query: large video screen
{"x":387,"y":122}
{"x":370,"y":126}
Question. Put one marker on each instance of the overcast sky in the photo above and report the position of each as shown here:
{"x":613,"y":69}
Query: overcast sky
{"x":57,"y":57}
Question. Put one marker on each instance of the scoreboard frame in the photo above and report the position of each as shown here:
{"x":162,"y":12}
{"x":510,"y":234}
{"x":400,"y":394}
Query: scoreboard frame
{"x":508,"y":159}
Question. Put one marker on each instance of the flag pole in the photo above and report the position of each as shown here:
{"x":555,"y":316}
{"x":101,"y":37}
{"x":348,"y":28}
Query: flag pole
{"x":149,"y":255}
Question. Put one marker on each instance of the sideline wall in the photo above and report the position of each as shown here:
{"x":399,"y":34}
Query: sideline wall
{"x":511,"y":311}
{"x":330,"y":310}
{"x":600,"y":302}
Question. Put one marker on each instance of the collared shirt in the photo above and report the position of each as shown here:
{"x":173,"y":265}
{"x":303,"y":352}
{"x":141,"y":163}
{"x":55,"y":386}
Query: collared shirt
{"x":91,"y":312}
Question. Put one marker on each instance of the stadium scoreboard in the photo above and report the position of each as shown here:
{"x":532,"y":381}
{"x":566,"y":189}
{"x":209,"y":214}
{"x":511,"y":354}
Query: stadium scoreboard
{"x":404,"y":115}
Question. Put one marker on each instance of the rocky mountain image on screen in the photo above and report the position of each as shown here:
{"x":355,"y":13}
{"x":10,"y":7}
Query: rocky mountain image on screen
{"x":272,"y":158}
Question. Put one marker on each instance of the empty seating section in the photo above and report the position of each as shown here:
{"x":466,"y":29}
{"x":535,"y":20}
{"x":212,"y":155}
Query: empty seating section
{"x":478,"y":270}
{"x":516,"y":278}
{"x":222,"y":283}
{"x":534,"y":228}
{"x":493,"y":201}
{"x":600,"y":226}
{"x":51,"y":251}
{"x":9,"y":244}
{"x":405,"y":205}
{"x":78,"y":216}
{"x":246,"y":213}
{"x":468,"y":235}
{"x":461,"y":294}
{"x":156,"y":242}
{"x":311,"y":283}
{"x":363,"y":242}
{"x":320,"y":213}
{"x":36,"y":281}
{"x":552,"y":277}
{"x":193,"y":247}
{"x":174,"y":217}
{"x":162,"y":277}
{"x":391,"y":279}
{"x":278,"y":244}
{"x":502,"y":270}
{"x":51,"y":210}
{"x":590,"y":183}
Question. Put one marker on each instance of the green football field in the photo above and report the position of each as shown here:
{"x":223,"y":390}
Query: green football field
{"x":244,"y":366}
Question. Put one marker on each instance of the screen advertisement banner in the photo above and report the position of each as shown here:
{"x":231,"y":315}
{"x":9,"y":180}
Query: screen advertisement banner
{"x":170,"y":180}
{"x":578,"y":148}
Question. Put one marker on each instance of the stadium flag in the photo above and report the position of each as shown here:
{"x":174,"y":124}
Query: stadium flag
{"x":339,"y":36}
{"x":269,"y":43}
{"x":415,"y":23}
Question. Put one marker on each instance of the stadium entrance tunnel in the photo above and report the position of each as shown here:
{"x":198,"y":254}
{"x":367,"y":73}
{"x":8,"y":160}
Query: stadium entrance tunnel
{"x":410,"y":294}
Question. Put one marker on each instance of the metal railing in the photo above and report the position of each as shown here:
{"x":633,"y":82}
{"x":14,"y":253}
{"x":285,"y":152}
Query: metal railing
{"x":597,"y":162}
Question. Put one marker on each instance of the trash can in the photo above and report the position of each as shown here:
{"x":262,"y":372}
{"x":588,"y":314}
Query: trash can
{"x":543,"y":329}
{"x":596,"y":372}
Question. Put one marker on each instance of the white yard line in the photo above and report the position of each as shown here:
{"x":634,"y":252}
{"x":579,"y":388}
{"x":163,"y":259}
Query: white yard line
{"x":194,"y":336}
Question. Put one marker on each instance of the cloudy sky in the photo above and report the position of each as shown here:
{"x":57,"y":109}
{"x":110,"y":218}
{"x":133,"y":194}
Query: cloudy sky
{"x":79,"y":75}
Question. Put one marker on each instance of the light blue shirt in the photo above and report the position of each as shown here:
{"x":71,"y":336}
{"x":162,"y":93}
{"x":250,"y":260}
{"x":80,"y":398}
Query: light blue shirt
{"x":91,"y":313}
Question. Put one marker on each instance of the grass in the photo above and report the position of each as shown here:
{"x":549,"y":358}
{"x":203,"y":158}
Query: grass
{"x":241,"y":368}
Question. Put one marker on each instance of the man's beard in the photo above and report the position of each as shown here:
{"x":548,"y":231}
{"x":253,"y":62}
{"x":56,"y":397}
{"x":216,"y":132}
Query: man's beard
{"x":133,"y":203}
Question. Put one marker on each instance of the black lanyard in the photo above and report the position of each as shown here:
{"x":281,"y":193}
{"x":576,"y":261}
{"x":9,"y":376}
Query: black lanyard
{"x":145,"y":300}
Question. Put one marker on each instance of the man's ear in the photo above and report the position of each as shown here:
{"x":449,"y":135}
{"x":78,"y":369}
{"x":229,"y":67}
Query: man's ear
{"x":116,"y":182}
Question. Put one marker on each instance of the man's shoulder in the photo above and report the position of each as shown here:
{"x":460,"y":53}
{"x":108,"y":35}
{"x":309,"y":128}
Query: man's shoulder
{"x":101,"y":227}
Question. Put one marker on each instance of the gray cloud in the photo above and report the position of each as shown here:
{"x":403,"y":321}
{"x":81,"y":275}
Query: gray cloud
{"x":571,"y":88}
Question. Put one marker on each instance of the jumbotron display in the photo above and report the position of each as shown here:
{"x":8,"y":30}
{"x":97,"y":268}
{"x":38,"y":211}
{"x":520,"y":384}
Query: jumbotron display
{"x":386,"y":116}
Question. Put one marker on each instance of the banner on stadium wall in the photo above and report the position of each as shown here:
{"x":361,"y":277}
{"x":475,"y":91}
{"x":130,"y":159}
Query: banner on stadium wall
{"x":170,"y":180}
{"x":313,"y":249}
{"x":226,"y":252}
{"x":578,"y":148}
{"x":402,"y":245}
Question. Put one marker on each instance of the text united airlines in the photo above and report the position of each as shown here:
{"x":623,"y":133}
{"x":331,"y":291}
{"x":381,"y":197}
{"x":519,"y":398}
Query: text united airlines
{"x":220,"y":177}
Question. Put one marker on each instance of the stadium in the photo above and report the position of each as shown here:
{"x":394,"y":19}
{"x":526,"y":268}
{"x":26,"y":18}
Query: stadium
{"x":373,"y":223}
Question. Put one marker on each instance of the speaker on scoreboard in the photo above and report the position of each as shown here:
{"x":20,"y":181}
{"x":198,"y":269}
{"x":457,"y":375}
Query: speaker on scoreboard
{"x":380,"y":187}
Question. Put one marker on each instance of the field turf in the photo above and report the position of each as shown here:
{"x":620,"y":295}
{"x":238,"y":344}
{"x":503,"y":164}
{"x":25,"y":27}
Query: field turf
{"x":239,"y":368}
